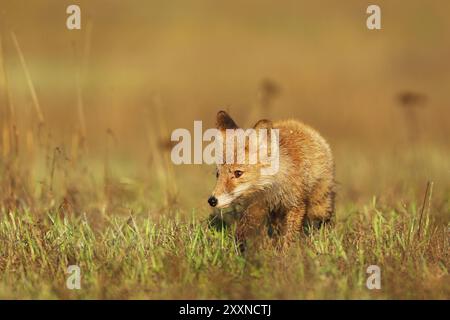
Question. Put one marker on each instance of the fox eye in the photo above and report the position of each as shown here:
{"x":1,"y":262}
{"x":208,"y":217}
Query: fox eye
{"x":238,"y":173}
{"x":217,"y":174}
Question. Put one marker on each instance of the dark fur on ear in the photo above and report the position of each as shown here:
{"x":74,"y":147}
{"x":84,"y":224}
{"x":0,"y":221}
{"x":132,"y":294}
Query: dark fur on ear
{"x":224,"y":121}
{"x":267,"y":125}
{"x":263,"y":124}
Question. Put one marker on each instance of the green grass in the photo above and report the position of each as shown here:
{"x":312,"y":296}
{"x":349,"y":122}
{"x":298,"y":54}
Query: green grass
{"x":144,"y":257}
{"x":69,"y":185}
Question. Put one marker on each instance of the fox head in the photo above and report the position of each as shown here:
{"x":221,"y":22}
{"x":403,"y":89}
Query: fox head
{"x":238,"y":181}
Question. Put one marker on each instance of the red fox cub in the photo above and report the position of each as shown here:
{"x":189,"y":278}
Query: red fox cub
{"x":279,"y":203}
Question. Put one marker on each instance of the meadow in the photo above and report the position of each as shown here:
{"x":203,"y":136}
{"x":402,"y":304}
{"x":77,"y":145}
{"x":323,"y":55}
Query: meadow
{"x":85,"y":122}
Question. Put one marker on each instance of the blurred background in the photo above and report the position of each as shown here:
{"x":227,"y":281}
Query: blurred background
{"x":86,"y":115}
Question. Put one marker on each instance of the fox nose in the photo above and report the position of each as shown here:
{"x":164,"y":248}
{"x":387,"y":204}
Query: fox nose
{"x":212,"y":201}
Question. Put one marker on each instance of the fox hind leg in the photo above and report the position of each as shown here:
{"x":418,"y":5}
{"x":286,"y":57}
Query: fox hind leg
{"x":320,"y":207}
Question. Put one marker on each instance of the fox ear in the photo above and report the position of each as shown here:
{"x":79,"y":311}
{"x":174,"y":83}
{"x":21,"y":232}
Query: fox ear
{"x":263,"y":124}
{"x":224,"y":121}
{"x":266,"y":125}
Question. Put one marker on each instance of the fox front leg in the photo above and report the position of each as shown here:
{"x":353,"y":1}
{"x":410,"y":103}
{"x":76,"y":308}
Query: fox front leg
{"x":251,"y":225}
{"x":292,"y":225}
